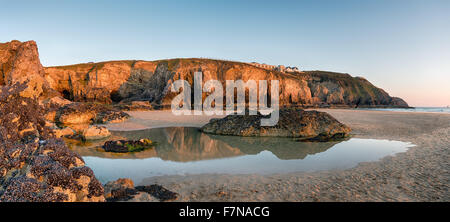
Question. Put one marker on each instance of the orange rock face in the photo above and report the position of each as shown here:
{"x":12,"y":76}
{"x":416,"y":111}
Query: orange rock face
{"x":115,"y":81}
{"x":19,"y":62}
{"x":88,"y":82}
{"x":150,"y":80}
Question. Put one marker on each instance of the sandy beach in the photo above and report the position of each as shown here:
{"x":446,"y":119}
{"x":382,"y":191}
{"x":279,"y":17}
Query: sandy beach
{"x":420,"y":174}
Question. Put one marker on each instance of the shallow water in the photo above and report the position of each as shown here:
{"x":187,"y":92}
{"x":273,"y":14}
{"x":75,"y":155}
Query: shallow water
{"x":182,"y":151}
{"x":415,"y":109}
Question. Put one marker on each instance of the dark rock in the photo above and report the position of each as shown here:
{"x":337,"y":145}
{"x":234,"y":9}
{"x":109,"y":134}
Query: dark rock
{"x":122,"y":194}
{"x":296,"y":123}
{"x":125,"y":146}
{"x":159,"y":192}
{"x":123,"y":190}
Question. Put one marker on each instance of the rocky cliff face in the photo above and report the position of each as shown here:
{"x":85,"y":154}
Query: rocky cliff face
{"x":92,"y":82}
{"x":145,"y":80}
{"x":19,"y":62}
{"x":116,"y":81}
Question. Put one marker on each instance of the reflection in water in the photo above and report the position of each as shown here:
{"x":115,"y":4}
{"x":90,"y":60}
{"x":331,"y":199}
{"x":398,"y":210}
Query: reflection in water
{"x":184,"y":144}
{"x":183,"y":150}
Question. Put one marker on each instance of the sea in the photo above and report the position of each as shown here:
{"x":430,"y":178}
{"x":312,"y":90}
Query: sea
{"x":414,"y":109}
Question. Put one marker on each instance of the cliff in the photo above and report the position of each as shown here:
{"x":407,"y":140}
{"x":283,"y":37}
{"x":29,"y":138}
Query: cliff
{"x":116,"y":81}
{"x":150,"y":80}
{"x":19,"y":62}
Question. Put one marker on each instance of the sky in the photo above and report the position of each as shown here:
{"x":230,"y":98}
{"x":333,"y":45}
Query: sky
{"x":401,"y":46}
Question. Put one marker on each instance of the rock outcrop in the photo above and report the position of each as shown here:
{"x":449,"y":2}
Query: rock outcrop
{"x":34,"y":165}
{"x":88,"y":113}
{"x":150,"y":81}
{"x":19,"y":62}
{"x":296,"y":123}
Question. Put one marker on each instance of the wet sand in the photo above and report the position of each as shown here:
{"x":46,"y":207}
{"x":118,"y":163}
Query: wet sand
{"x":156,"y":119}
{"x":420,"y":174}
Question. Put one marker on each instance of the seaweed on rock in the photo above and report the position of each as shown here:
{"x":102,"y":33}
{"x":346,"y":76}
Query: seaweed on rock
{"x":34,"y":165}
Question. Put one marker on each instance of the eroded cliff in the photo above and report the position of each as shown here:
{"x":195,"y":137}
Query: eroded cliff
{"x":150,"y":80}
{"x":117,"y":81}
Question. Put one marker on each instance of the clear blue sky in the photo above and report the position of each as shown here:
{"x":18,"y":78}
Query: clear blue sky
{"x":400,"y":46}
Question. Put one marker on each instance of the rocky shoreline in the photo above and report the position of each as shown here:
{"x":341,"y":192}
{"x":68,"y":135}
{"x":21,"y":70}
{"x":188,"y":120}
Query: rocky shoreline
{"x":37,"y":166}
{"x":41,"y":105}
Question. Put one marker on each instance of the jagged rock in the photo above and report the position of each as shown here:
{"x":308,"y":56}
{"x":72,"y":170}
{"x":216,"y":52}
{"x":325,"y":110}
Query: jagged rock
{"x":126,"y":146}
{"x":35,"y":166}
{"x":95,"y":133}
{"x":297,"y":123}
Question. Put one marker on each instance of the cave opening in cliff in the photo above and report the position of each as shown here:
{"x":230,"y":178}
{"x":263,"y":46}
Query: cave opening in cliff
{"x":67,"y":95}
{"x":115,"y":96}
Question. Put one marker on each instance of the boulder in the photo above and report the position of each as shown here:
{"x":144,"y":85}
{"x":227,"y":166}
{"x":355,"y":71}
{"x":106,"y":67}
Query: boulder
{"x":296,"y":123}
{"x":95,"y":133}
